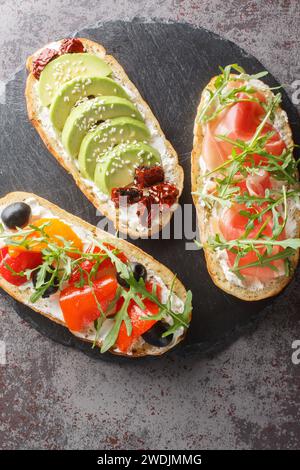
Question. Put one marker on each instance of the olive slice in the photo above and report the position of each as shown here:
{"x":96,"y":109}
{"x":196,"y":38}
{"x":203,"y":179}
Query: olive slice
{"x":51,"y":289}
{"x":139,"y":271}
{"x":16,"y":215}
{"x":154,"y":335}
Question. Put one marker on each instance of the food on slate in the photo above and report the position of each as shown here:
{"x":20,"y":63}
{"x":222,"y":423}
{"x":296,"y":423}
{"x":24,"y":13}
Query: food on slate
{"x":245,"y":185}
{"x":103,"y":289}
{"x":94,"y":121}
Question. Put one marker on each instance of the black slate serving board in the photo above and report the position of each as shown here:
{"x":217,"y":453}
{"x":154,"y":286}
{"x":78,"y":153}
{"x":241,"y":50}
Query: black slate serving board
{"x":170,"y":64}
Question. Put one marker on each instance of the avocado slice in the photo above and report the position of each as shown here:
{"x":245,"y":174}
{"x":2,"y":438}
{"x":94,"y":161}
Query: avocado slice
{"x":84,"y":116}
{"x":77,"y":89}
{"x":104,"y":137}
{"x":116,"y":168}
{"x":65,"y":68}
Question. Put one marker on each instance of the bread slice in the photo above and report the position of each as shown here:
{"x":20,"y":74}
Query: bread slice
{"x":203,"y":214}
{"x":132,"y":252}
{"x":52,"y":141}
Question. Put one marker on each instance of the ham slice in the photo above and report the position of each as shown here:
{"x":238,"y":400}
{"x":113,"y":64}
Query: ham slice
{"x":256,"y":184}
{"x":232,"y":226}
{"x":238,"y":121}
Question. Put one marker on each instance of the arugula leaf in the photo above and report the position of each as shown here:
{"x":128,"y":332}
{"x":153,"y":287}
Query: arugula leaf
{"x":58,"y":260}
{"x":220,"y":98}
{"x":266,"y":260}
{"x":122,"y":314}
{"x":186,"y":315}
{"x":250,"y":243}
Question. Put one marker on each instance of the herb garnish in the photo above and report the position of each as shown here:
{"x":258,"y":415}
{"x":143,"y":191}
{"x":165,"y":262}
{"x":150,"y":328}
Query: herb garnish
{"x":60,"y":262}
{"x":250,"y":158}
{"x":220,"y":98}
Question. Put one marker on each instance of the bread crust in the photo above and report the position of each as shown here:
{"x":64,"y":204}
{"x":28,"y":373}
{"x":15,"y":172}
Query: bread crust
{"x":132,"y":252}
{"x":275,"y":286}
{"x":69,"y":166}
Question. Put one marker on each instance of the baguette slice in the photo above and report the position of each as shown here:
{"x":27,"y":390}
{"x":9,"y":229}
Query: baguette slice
{"x":52,"y":141}
{"x":132,"y":252}
{"x":215,"y":270}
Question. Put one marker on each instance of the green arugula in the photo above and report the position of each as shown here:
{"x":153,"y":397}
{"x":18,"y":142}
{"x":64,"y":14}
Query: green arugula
{"x":236,"y":169}
{"x":221,"y":97}
{"x":60,"y":263}
{"x":138,"y":291}
{"x":255,"y":144}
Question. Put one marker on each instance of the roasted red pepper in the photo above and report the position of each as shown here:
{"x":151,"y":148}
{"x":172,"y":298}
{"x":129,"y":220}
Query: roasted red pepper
{"x":79,"y":305}
{"x":139,"y":326}
{"x":105,"y":268}
{"x":17,"y":264}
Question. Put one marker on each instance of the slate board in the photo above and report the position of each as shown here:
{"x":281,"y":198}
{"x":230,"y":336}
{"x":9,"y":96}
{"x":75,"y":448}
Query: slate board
{"x":170,"y":65}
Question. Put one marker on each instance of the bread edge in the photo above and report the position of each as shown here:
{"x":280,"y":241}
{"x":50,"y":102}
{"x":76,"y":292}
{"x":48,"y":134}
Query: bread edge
{"x":48,"y":141}
{"x":132,"y":252}
{"x":214,"y":269}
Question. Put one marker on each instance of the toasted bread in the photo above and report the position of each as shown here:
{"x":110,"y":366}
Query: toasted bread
{"x":54,"y":145}
{"x":203,"y":214}
{"x":141,"y":348}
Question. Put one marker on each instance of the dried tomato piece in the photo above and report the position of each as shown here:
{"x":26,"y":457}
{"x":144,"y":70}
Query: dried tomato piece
{"x":148,"y":208}
{"x":164,"y":193}
{"x":123,"y":196}
{"x":70,"y":45}
{"x":146,"y":176}
{"x":42,"y":60}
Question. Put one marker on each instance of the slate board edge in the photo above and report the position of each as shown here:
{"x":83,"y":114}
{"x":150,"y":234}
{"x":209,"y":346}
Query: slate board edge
{"x":202,"y":347}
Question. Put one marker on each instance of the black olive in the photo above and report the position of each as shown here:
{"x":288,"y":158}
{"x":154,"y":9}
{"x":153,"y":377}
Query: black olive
{"x":16,"y":215}
{"x":121,"y":281}
{"x":139,"y":271}
{"x":154,"y":335}
{"x":51,"y":289}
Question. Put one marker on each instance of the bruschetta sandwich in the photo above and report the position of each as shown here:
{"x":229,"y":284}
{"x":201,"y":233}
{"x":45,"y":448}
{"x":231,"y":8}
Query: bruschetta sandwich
{"x":94,"y":121}
{"x":103,"y":289}
{"x":245,"y":185}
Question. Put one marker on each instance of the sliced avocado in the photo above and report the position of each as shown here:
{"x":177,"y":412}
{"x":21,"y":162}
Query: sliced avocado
{"x":87,"y":114}
{"x":104,"y":137}
{"x":116,"y":168}
{"x":65,"y":68}
{"x":77,"y":89}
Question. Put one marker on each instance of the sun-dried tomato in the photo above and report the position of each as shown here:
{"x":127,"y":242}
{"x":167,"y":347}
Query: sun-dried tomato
{"x":71,"y":45}
{"x":164,"y":193}
{"x":154,"y":200}
{"x":146,"y":176}
{"x":67,"y":46}
{"x":123,"y":196}
{"x":147,"y":210}
{"x":42,"y":60}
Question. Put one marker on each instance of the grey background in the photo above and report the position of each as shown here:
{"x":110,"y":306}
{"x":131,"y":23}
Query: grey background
{"x":244,"y":397}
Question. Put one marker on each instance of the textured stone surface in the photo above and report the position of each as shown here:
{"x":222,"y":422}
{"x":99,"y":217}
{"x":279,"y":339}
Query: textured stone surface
{"x":246,"y":396}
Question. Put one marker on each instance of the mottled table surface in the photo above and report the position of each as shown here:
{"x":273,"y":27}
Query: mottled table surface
{"x":246,"y":396}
